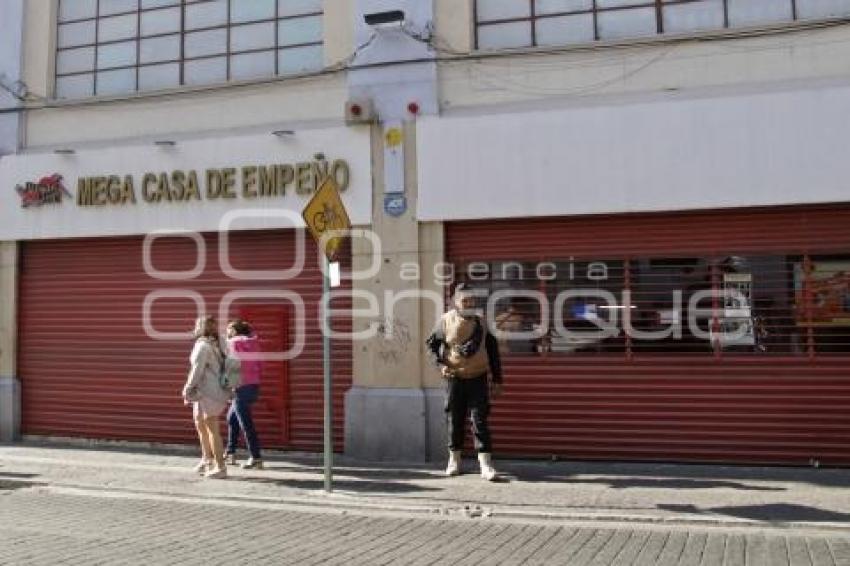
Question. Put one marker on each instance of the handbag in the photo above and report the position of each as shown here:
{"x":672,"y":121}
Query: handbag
{"x":191,"y":393}
{"x":230,"y":376}
{"x":218,"y":392}
{"x":229,"y":370}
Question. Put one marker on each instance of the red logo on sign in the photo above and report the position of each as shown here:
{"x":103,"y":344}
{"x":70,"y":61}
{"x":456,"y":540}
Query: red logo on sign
{"x":46,"y":190}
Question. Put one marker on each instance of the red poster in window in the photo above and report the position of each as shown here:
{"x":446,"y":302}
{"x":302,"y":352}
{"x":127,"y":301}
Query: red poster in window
{"x":829,"y":287}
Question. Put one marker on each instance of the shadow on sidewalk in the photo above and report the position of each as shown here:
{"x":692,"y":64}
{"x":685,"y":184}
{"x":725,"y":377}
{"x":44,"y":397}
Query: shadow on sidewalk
{"x":13,"y":485}
{"x":621,"y":475}
{"x":274,"y":459}
{"x":616,"y":475}
{"x":402,"y":474}
{"x":674,"y":483}
{"x":770,"y":512}
{"x":345,"y":485}
{"x":10,"y":481}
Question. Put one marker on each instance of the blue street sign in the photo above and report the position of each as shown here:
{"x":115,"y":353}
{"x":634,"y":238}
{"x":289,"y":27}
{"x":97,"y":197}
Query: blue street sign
{"x":395,"y":205}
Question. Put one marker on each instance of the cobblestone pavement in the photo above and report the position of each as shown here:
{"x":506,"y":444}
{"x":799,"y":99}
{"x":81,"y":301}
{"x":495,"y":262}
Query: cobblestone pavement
{"x":772,"y":497}
{"x":60,"y":525}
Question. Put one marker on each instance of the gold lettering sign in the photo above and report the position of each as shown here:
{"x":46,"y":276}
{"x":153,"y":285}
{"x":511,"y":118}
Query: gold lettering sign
{"x":248,"y":182}
{"x":100,"y":191}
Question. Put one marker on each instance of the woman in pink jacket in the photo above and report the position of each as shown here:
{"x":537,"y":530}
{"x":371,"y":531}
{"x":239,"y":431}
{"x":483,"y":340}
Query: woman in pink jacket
{"x":242,"y":340}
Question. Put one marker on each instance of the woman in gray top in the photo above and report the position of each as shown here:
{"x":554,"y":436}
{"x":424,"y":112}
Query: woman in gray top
{"x":209,"y":399}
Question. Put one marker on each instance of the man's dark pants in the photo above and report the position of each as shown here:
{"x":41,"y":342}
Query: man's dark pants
{"x":472,"y":395}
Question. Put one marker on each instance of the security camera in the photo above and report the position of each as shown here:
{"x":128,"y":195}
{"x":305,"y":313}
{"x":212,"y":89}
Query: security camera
{"x":383,"y":18}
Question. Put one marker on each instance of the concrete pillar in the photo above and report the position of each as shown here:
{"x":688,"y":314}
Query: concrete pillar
{"x":431,"y":254}
{"x":395,"y":409}
{"x":387,"y":409}
{"x":10,"y":387}
{"x":11,"y":33}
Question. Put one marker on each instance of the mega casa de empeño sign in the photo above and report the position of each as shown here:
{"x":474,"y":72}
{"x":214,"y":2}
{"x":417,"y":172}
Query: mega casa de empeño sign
{"x":247,"y":182}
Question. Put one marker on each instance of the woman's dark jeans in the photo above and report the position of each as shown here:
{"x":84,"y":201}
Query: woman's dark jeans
{"x":239,"y":416}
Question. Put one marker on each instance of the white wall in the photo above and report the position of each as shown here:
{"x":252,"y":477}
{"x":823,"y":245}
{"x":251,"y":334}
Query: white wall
{"x":670,"y":153}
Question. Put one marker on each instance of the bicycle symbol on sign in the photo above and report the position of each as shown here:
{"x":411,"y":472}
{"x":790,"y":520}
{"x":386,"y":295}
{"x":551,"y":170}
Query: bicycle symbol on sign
{"x":326,"y":218}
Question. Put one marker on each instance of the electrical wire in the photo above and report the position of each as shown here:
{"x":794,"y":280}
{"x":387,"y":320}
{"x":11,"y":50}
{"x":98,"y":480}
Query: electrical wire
{"x":17,"y":89}
{"x":342,"y":65}
{"x":447,"y":54}
{"x":508,"y":59}
{"x":522,"y":88}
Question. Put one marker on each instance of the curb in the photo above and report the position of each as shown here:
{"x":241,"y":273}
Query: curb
{"x":344,"y":503}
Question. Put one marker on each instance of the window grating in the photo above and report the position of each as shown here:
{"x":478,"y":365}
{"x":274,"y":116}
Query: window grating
{"x":502,"y":24}
{"x":728,"y":305}
{"x":123,"y":46}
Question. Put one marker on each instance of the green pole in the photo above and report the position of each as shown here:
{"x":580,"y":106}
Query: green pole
{"x":326,"y":355}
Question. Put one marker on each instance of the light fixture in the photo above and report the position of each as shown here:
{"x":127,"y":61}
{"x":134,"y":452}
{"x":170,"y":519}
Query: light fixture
{"x":64,"y":151}
{"x":390,"y":17}
{"x":165,"y":143}
{"x":283,"y":133}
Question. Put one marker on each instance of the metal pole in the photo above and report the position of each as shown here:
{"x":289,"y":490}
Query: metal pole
{"x":326,"y":355}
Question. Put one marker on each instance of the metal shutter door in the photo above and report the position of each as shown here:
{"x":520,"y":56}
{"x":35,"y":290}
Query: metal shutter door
{"x":771,"y":409}
{"x":88,"y":369}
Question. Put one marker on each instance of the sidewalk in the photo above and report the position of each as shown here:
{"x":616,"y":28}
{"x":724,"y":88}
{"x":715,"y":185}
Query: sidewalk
{"x":533,"y":491}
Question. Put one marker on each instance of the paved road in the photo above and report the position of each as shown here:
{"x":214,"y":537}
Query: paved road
{"x":60,"y":525}
{"x":796,"y":497}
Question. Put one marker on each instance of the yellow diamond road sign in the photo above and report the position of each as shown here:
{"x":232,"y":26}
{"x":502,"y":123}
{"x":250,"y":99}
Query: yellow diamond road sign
{"x":326,"y":213}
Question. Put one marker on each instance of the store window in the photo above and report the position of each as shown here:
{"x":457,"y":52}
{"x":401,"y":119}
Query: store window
{"x":586,"y":303}
{"x":662,"y":289}
{"x":723,"y":305}
{"x":729,"y":304}
{"x":109,"y":47}
{"x":502,"y":24}
{"x":822,"y":297}
{"x":563,"y":306}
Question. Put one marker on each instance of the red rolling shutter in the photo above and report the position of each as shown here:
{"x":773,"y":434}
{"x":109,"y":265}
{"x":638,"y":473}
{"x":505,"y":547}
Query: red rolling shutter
{"x":667,"y":406}
{"x":88,"y":369}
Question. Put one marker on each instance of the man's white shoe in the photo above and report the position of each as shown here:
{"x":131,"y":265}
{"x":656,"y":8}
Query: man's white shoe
{"x":487,"y":471}
{"x":453,"y":469}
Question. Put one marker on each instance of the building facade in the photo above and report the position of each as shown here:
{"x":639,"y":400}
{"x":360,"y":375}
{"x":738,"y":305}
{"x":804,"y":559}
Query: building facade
{"x":11,"y":57}
{"x":650,"y":195}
